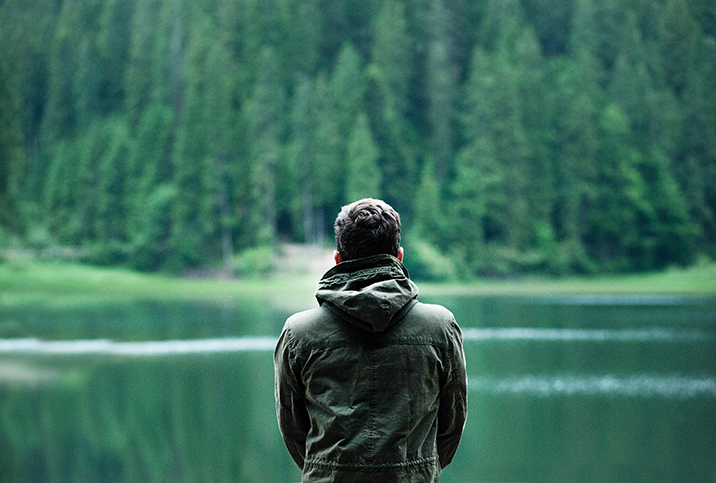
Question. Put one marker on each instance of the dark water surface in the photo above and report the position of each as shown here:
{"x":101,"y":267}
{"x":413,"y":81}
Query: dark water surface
{"x":562,"y":389}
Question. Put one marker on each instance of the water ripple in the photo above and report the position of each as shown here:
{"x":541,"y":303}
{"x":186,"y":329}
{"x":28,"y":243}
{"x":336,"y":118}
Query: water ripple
{"x":625,"y":299}
{"x":135,"y":349}
{"x":666,"y":386}
{"x":588,"y":335}
{"x":242,"y":344}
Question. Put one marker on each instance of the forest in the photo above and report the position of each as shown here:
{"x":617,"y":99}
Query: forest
{"x":513,"y":136}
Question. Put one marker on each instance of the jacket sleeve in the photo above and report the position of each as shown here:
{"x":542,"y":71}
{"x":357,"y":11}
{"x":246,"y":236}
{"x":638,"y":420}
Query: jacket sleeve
{"x":293,"y":421}
{"x":452,"y":412}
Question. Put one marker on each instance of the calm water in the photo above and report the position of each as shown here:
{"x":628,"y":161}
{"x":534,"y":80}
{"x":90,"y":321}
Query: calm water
{"x":562,"y":389}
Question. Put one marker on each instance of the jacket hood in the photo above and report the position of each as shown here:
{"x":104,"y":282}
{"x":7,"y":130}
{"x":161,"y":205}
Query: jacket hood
{"x":371,"y":290}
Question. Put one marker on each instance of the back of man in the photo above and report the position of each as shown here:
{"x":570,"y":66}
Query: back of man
{"x":371,"y":385}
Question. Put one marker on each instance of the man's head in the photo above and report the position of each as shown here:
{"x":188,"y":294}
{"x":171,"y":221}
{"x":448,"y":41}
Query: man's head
{"x":367,"y":227}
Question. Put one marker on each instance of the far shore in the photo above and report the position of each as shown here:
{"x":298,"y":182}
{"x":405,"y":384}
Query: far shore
{"x":53,"y":282}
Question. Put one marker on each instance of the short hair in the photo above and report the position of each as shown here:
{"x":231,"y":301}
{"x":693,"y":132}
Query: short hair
{"x":367,"y":227}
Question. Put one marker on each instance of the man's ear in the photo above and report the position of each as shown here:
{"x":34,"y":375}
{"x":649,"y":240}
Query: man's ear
{"x":400,"y":254}
{"x":337,"y":257}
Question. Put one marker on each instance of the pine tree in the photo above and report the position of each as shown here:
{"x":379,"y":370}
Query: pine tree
{"x":190,"y":149}
{"x":501,"y":25}
{"x":304,"y":36}
{"x":266,"y":24}
{"x":538,"y":125}
{"x":113,"y":195}
{"x":363,"y":176}
{"x":113,"y":39}
{"x":217,"y":202}
{"x":346,"y":89}
{"x":388,"y":103}
{"x":442,"y":83}
{"x":12,"y":156}
{"x":392,"y":55}
{"x":620,"y":205}
{"x":26,"y":53}
{"x":475,"y":190}
{"x":429,"y":221}
{"x":328,"y":172}
{"x":137,"y":75}
{"x":302,"y":156}
{"x":265,"y":117}
{"x":695,"y":159}
{"x":61,"y":193}
{"x":512,"y":150}
{"x":573,"y":160}
{"x":670,"y":234}
{"x":90,"y":180}
{"x":678,"y":43}
{"x":149,"y":168}
{"x":478,"y":205}
{"x":60,"y":116}
{"x":152,"y":245}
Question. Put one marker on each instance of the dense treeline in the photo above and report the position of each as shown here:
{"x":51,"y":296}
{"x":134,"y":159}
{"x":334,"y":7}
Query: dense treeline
{"x":512,"y":135}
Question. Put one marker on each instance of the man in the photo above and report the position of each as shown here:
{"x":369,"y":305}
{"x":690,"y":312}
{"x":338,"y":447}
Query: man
{"x":371,"y":385}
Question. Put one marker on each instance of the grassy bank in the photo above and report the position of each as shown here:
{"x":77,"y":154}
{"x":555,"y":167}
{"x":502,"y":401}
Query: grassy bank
{"x":28,"y":282}
{"x":699,"y":280}
{"x":67,"y":283}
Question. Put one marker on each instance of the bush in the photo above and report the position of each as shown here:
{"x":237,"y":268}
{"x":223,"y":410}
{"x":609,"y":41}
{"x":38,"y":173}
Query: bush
{"x":255,"y":262}
{"x":425,"y":261}
{"x":109,"y":253}
{"x":151,"y":248}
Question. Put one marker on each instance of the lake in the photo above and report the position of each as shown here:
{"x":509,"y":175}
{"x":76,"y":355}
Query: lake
{"x":561,"y":389}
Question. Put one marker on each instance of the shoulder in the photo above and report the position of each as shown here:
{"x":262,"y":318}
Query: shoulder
{"x":434,"y":319}
{"x":295,"y":328}
{"x":316,"y":327}
{"x":302,"y":322}
{"x":433,"y":315}
{"x":432,"y":311}
{"x":304,"y":317}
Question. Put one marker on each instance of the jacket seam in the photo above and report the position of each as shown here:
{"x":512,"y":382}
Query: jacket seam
{"x":372,"y":466}
{"x":373,"y":401}
{"x":338,"y":344}
{"x":293,"y":429}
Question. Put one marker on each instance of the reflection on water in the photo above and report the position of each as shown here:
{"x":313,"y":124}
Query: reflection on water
{"x":562,"y":389}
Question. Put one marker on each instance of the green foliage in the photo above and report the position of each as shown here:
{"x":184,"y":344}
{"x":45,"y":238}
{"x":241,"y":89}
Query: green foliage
{"x":572,"y":136}
{"x":255,"y":262}
{"x":424,"y":261}
{"x":151,"y":246}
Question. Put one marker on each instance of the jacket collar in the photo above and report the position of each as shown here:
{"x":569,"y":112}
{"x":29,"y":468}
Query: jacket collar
{"x":371,"y":291}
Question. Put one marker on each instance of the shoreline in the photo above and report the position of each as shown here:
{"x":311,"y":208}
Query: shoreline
{"x":41,"y":282}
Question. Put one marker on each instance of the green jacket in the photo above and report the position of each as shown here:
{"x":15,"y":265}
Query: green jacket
{"x":371,"y":385}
